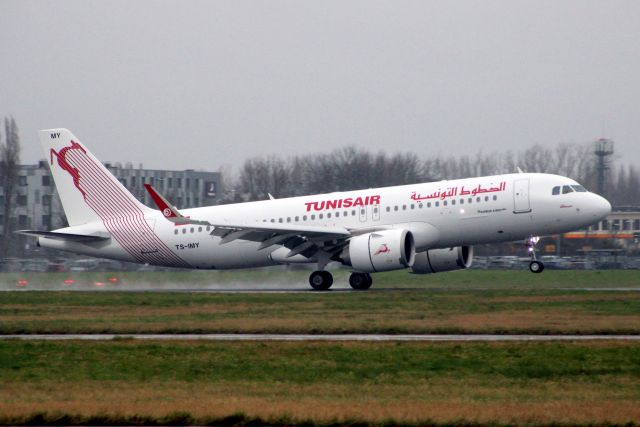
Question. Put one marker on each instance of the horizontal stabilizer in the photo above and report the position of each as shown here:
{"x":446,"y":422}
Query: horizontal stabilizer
{"x":68,"y":237}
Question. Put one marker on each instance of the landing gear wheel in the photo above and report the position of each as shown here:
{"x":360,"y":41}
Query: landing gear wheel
{"x":360,"y":281}
{"x":321,"y":280}
{"x":536,"y":266}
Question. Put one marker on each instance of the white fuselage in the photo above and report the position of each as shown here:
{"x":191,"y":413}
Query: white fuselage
{"x":462,"y":212}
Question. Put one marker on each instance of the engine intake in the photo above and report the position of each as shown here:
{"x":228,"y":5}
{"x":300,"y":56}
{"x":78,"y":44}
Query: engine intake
{"x":439,"y":260}
{"x":380,"y":251}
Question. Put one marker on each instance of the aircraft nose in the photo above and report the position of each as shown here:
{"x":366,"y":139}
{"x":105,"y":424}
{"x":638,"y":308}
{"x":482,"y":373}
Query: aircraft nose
{"x":602,"y":206}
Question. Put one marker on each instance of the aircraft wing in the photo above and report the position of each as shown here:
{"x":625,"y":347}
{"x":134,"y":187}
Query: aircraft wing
{"x":300,"y":239}
{"x":81,"y":238}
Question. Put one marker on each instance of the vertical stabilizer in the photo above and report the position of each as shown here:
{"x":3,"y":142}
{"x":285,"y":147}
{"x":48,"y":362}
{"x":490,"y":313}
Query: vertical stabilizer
{"x":88,"y":191}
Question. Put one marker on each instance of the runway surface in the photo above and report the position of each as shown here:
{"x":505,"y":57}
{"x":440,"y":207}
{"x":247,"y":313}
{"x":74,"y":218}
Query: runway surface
{"x":324,"y":337}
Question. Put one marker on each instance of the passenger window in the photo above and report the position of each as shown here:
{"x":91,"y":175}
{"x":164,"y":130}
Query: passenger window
{"x":337,"y":214}
{"x":478,"y":199}
{"x":395,"y":208}
{"x":280,"y":220}
{"x":208,"y":228}
{"x":486,"y":198}
{"x":470,"y":200}
{"x":420,"y":205}
{"x":428,"y":204}
{"x":320,"y":216}
{"x":567,"y":189}
{"x":444,"y":203}
{"x":555,"y":191}
{"x":273,"y":220}
{"x":304,"y":217}
{"x":313,"y":217}
{"x":353,"y":212}
{"x":413,"y":206}
{"x":192,"y":229}
{"x":297,"y":218}
{"x":184,"y":231}
{"x":288,"y":219}
{"x":437,"y":204}
{"x":199,"y":229}
{"x":462,"y":201}
{"x":175,"y":231}
{"x":388,"y":208}
{"x":495,"y":197}
{"x":453,"y":202}
{"x":329,"y":215}
{"x":404,"y":207}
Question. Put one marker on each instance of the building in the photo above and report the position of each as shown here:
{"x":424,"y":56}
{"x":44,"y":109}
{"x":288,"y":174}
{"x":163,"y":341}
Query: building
{"x":38,"y":205}
{"x":622,"y":223}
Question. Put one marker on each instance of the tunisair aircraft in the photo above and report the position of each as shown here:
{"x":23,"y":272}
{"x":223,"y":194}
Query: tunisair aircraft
{"x":425,"y":228}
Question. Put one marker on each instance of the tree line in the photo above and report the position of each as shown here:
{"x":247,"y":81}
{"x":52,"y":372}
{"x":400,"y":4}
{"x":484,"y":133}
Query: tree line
{"x":353,"y":168}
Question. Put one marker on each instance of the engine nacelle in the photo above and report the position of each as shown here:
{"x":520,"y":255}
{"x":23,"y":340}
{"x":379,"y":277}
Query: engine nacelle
{"x":380,"y":251}
{"x":438,"y":260}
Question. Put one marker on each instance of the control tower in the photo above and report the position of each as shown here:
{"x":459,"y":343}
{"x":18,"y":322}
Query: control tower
{"x":603,"y":149}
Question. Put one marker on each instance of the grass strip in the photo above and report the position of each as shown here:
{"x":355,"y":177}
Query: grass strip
{"x":319,"y":383}
{"x":409,"y":311}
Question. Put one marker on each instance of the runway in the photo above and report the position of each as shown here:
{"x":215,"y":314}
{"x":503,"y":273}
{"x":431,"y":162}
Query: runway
{"x":320,"y":337}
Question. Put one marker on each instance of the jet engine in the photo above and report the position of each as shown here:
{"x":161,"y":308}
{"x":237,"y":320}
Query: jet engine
{"x":438,"y":260}
{"x":380,"y":251}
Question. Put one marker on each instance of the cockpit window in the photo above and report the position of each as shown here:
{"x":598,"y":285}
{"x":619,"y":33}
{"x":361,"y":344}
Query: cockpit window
{"x":555,"y":191}
{"x":579,"y":188}
{"x":567,"y":189}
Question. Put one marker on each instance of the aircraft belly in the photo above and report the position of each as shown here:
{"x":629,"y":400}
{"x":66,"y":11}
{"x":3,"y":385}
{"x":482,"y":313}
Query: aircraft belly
{"x":237,"y":254}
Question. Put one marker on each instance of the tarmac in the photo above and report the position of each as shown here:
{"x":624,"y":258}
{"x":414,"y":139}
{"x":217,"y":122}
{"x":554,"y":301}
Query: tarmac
{"x":319,"y":337}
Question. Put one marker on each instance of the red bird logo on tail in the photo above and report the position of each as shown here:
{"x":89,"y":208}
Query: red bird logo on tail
{"x":64,"y":164}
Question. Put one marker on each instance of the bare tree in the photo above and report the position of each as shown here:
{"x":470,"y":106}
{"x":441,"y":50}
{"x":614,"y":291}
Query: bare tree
{"x":9,"y":163}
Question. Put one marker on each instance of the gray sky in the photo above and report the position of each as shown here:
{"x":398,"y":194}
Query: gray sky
{"x":184,"y":84}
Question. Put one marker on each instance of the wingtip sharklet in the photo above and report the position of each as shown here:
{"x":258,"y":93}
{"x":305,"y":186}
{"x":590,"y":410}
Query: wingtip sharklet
{"x":169,"y":211}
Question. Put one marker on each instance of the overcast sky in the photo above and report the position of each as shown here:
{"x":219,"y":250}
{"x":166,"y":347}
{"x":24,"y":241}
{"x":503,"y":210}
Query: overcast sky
{"x":184,"y":84}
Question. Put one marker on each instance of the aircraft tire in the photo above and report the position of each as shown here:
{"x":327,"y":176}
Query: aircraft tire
{"x":321,"y":280}
{"x":360,"y":281}
{"x":536,"y":267}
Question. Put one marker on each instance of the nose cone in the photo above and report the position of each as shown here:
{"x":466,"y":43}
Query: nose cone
{"x":601,"y":206}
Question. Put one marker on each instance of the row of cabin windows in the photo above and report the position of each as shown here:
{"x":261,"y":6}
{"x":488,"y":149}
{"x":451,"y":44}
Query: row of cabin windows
{"x":444,"y":203}
{"x":395,"y":208}
{"x":312,"y":217}
{"x":192,"y":230}
{"x":568,"y":189}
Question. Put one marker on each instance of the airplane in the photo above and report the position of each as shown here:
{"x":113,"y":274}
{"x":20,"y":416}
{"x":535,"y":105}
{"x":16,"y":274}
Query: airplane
{"x":424,"y":228}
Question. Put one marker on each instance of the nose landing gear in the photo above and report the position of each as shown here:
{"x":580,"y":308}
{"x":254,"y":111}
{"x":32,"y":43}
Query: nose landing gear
{"x":535,"y":266}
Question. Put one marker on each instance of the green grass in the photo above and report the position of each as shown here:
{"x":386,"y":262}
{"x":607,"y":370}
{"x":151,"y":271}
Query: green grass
{"x":295,"y":363}
{"x":479,"y":302}
{"x":317,"y":382}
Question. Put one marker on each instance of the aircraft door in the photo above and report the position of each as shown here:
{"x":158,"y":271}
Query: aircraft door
{"x":363,"y":213}
{"x":521,"y":203}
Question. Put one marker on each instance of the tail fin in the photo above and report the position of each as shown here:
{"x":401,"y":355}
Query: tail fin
{"x":88,"y":191}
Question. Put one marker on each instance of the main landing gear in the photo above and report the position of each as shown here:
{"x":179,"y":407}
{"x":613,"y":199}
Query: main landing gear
{"x":322,"y":280}
{"x":535,"y":266}
{"x":360,"y":281}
